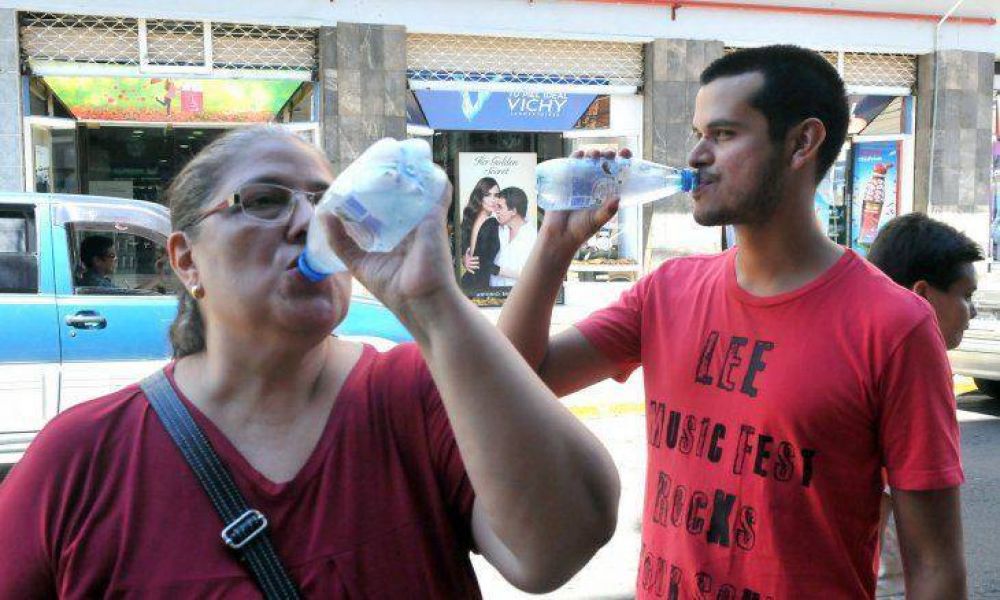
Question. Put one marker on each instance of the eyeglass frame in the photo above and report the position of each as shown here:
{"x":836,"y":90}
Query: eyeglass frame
{"x":311,"y":198}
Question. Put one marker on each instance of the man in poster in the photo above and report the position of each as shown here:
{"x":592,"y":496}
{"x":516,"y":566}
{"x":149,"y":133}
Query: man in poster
{"x":512,"y":212}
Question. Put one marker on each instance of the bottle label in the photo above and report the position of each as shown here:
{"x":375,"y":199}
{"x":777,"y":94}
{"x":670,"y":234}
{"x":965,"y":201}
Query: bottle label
{"x":360,"y":224}
{"x":352,"y":210}
{"x":604,"y":188}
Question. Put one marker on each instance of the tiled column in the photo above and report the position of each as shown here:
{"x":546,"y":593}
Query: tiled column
{"x":672,"y":69}
{"x":11,"y":135}
{"x":363,"y":82}
{"x":960,"y":190}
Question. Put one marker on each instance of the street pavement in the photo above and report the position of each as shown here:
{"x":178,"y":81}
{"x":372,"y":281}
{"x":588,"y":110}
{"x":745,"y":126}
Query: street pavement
{"x":613,"y":412}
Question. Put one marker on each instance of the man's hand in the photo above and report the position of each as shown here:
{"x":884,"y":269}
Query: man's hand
{"x":564,"y":231}
{"x":470,"y":261}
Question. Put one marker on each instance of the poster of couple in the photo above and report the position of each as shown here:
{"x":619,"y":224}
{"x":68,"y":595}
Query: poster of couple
{"x":497,"y":224}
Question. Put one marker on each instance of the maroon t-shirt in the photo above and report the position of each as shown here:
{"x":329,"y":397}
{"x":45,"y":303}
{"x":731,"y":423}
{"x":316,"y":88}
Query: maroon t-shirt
{"x":103,"y":504}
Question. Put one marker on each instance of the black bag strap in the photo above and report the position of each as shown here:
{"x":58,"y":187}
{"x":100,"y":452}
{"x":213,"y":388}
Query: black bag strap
{"x":245,"y":528}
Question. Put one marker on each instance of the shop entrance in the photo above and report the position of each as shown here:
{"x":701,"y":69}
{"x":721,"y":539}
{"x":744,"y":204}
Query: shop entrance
{"x":137,"y":162}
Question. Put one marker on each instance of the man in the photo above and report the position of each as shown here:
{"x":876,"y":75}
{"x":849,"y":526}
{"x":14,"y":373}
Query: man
{"x":97,"y":252}
{"x":779,"y":376}
{"x":935,"y":261}
{"x":512,"y":213}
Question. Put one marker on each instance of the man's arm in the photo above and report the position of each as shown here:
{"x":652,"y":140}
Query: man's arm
{"x":568,"y":362}
{"x":929,"y":524}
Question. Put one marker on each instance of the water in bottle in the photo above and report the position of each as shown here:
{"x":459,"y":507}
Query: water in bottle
{"x":574,"y":183}
{"x":380,"y":197}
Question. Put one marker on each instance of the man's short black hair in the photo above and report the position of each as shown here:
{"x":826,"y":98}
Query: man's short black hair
{"x":94,"y":246}
{"x":798,"y":84}
{"x":516,"y":200}
{"x":915,"y":247}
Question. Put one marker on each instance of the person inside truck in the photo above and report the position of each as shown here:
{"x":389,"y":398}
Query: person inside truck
{"x":97,"y":253}
{"x":935,"y":261}
{"x":378,"y":472}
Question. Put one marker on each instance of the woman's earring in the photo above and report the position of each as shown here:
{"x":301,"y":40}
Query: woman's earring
{"x":197,"y":292}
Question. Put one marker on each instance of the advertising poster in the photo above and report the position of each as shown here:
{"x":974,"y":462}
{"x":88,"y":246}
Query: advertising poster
{"x":876,"y":191}
{"x":497,"y":224}
{"x":172,"y":100}
{"x":502,"y":111}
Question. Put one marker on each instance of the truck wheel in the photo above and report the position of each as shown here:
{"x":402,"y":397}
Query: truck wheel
{"x":990,"y":387}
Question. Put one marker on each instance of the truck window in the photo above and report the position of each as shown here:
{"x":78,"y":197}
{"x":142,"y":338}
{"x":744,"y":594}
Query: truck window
{"x":18,"y":251}
{"x":116,"y":260}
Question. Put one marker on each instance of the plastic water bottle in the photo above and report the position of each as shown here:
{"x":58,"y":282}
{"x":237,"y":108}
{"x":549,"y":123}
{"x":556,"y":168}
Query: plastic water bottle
{"x":575,"y":183}
{"x":380,"y":197}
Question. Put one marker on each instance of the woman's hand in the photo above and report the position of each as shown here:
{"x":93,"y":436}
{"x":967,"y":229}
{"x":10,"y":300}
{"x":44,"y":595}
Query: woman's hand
{"x":417,"y":270}
{"x":564,"y":231}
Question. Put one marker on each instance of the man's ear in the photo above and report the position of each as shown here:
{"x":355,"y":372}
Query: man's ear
{"x":920,"y":288}
{"x":182,"y":259}
{"x":806,"y":139}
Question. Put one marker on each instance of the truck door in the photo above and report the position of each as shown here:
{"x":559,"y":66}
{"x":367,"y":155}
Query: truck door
{"x":113,"y":326}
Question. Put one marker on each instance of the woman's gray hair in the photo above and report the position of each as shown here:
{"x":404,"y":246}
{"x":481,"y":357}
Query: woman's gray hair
{"x":187,"y":196}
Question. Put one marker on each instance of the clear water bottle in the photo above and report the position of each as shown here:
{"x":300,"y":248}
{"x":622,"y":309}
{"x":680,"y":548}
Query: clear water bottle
{"x":575,"y":183}
{"x":380,"y":197}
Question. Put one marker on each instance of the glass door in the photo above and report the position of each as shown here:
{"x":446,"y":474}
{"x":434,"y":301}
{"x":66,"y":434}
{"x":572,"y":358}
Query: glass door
{"x":307,"y":131}
{"x":51,"y":155}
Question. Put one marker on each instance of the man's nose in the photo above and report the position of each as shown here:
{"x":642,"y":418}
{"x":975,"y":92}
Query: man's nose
{"x":699,"y":155}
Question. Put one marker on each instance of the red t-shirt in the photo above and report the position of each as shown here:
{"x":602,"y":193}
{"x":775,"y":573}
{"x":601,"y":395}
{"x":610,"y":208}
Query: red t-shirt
{"x":103,"y":504}
{"x":769,"y":419}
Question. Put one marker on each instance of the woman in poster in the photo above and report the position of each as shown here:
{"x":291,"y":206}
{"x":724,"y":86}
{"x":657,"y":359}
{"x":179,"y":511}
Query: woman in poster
{"x":480,"y":235}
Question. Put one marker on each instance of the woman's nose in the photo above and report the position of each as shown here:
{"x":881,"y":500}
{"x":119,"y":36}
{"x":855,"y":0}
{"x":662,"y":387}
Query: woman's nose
{"x":302,"y":213}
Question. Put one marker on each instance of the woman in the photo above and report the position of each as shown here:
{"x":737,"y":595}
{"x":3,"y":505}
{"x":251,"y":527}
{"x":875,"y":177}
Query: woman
{"x":480,"y":235}
{"x":376,"y":479}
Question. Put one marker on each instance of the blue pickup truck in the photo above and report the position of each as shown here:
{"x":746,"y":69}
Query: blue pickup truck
{"x":63,"y":342}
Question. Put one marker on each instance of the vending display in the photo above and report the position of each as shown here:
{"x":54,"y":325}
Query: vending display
{"x":873,"y":203}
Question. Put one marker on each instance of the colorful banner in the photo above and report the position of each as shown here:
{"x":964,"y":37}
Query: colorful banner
{"x":171,"y":100}
{"x":497,"y":228}
{"x":502,"y":111}
{"x":876,"y":190}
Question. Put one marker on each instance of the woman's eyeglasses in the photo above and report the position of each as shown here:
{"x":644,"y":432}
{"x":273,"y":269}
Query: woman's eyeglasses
{"x":265,"y":202}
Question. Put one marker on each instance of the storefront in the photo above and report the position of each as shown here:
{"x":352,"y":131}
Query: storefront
{"x":493,"y":108}
{"x":116,"y":106}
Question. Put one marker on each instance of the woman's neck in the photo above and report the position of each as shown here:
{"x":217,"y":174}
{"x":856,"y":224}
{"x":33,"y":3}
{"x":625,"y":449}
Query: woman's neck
{"x":262,"y":377}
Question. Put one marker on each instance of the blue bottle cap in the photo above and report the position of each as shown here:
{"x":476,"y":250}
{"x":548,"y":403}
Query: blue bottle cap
{"x":689,"y":180}
{"x":307,"y":271}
